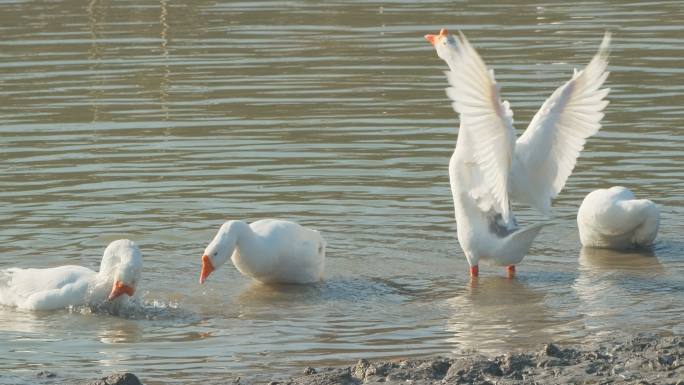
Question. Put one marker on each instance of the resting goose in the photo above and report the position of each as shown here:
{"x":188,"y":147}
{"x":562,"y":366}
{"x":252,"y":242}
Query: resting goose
{"x":613,"y":218}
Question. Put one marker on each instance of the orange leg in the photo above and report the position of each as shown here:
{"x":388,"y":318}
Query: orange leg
{"x":510,"y":270}
{"x":474,"y":271}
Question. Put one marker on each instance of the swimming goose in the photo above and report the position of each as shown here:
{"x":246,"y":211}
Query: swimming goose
{"x":63,"y":286}
{"x":489,"y":166}
{"x":613,"y":218}
{"x":268,"y":250}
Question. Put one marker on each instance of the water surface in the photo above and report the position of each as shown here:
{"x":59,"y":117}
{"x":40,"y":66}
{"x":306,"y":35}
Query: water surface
{"x":157,"y":121}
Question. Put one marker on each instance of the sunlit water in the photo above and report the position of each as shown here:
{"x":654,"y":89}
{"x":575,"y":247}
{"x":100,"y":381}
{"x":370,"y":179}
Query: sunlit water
{"x":157,"y":121}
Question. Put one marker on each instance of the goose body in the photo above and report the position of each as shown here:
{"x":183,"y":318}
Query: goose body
{"x":483,"y":231}
{"x":63,"y":286}
{"x":268,"y":250}
{"x":489,"y":167}
{"x":613,"y":218}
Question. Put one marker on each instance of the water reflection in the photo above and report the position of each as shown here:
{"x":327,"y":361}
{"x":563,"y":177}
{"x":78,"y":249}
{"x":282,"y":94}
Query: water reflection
{"x":256,"y":293}
{"x":95,"y":26}
{"x":497,"y":312}
{"x":22,"y":321}
{"x":164,"y":51}
{"x":637,"y":261}
{"x":116,"y":330}
{"x":615,"y":288}
{"x":331,"y":289}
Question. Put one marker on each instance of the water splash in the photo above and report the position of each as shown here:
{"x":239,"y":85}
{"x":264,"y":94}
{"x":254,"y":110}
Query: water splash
{"x":136,"y":309}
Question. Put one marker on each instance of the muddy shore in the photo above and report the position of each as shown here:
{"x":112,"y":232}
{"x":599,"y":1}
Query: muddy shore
{"x":644,"y":359}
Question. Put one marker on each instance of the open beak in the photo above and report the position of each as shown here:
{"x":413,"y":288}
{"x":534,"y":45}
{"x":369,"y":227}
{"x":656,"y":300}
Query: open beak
{"x":434,"y":39}
{"x":118,"y":289}
{"x":207,"y":268}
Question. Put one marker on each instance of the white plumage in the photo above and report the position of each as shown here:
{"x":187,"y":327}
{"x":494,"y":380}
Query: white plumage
{"x":613,"y":218}
{"x":546,"y":153}
{"x":489,"y":167}
{"x":268,"y":250}
{"x":63,"y":286}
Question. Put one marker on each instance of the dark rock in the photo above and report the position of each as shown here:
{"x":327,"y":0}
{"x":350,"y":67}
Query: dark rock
{"x":118,"y":379}
{"x":666,"y":360}
{"x":440,"y":367}
{"x":458,"y":369}
{"x":46,"y":374}
{"x":552,"y":350}
{"x":551,"y":362}
{"x":380,"y":369}
{"x":515,"y":365}
{"x":327,"y":376}
{"x":598,"y":367}
{"x":309,"y":371}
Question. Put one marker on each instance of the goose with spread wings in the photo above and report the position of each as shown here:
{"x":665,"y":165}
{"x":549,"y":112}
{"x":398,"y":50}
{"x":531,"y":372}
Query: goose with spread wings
{"x":490,"y":166}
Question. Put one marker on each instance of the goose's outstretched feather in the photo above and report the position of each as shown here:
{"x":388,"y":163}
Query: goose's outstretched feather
{"x":546,"y":153}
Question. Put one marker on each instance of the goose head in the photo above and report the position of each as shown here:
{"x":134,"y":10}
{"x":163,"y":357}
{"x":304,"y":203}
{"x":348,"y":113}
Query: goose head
{"x":122,"y":264}
{"x":218,"y":251}
{"x":444,"y":43}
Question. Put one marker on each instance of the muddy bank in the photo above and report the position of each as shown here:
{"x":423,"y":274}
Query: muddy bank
{"x":640,"y":360}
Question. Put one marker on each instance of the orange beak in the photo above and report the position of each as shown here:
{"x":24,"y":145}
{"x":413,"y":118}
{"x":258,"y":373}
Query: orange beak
{"x":118,"y":289}
{"x":207,"y":268}
{"x":434,"y":39}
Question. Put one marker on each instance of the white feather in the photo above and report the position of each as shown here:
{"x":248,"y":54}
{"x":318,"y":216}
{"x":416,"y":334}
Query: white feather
{"x":546,"y":153}
{"x":484,"y":118}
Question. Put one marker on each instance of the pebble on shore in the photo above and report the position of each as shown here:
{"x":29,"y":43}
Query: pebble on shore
{"x":117,"y":379}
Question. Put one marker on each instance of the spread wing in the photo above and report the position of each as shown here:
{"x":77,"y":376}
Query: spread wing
{"x":487,"y":120}
{"x":546,"y":153}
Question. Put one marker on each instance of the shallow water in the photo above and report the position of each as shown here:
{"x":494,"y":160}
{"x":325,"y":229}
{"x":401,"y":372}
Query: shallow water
{"x":158,"y":121}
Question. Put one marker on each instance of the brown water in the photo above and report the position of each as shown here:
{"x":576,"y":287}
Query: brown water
{"x":156,"y":121}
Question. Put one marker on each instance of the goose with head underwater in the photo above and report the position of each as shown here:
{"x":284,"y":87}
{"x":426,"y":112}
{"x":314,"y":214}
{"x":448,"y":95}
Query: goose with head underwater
{"x":268,"y":250}
{"x":489,"y":166}
{"x":70,"y":285}
{"x":613,"y":218}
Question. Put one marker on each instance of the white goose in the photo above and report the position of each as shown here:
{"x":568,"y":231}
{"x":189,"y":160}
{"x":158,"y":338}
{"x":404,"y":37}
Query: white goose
{"x":613,"y":218}
{"x":63,"y":286}
{"x":268,"y":250}
{"x":488,"y":163}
